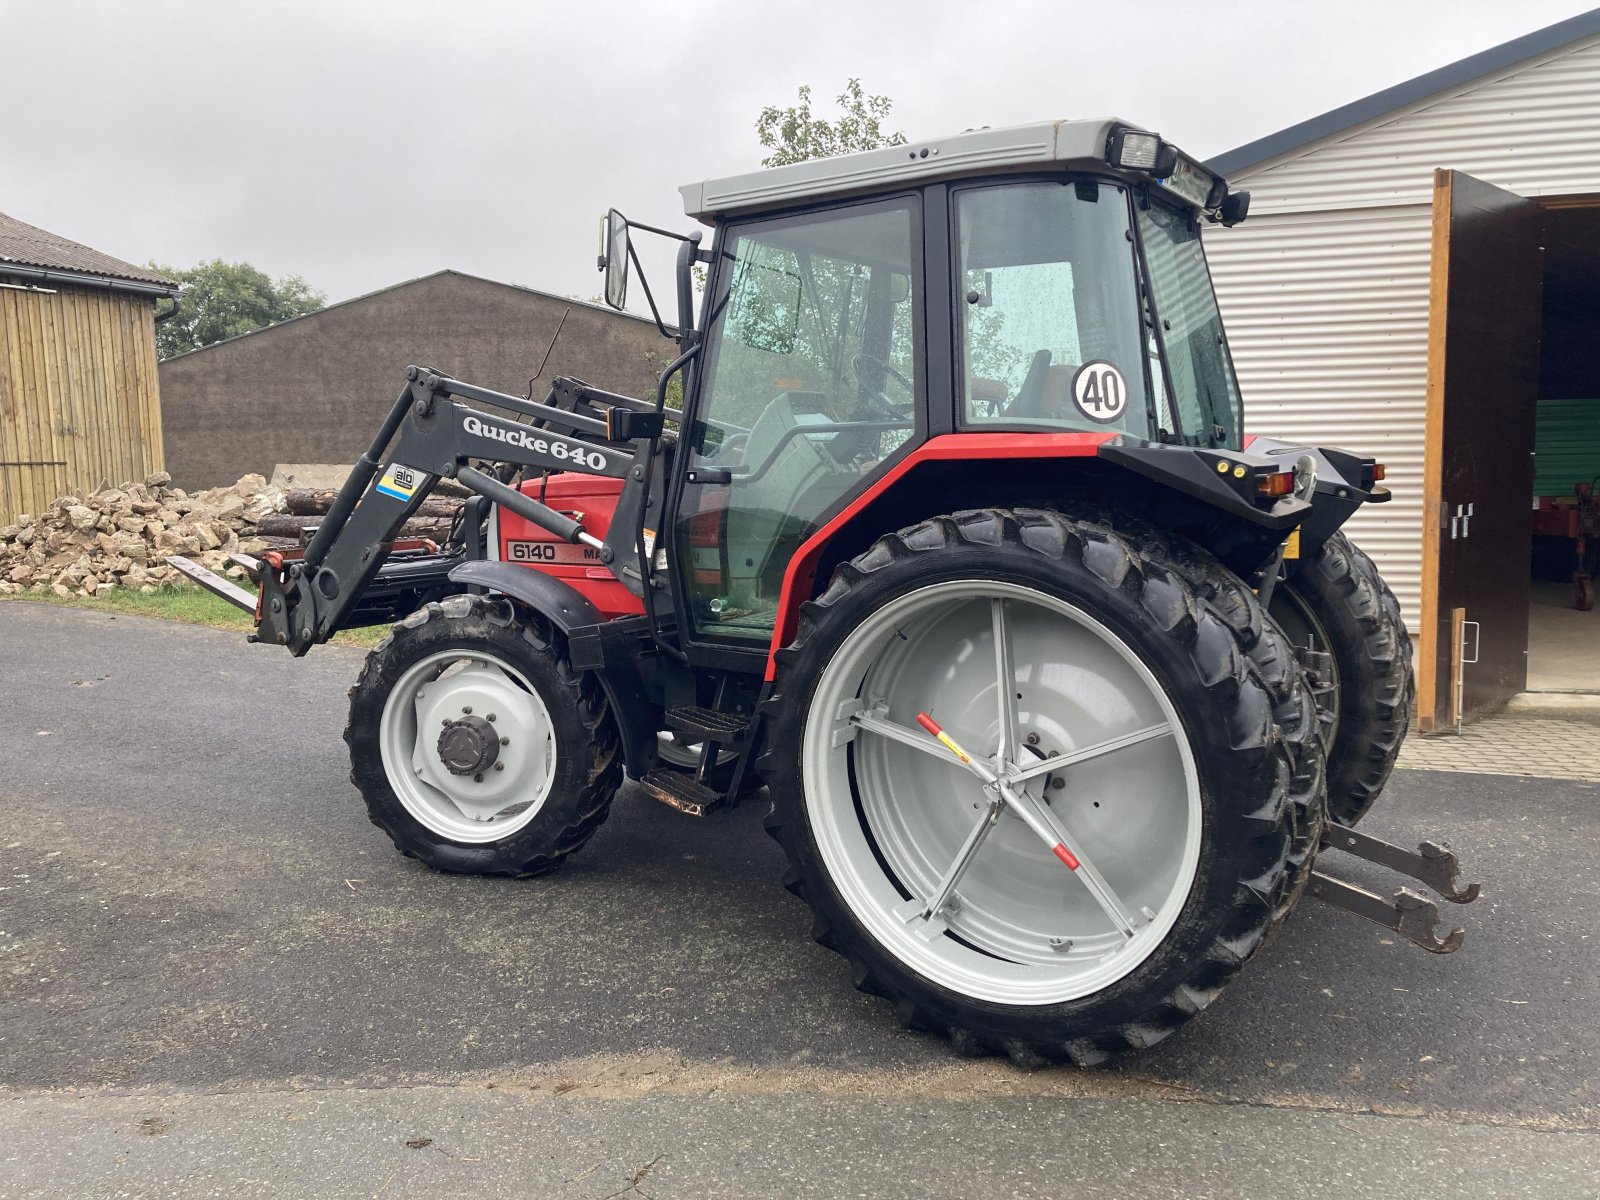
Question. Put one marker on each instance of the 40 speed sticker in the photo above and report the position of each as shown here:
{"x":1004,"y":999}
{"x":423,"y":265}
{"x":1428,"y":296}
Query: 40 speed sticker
{"x":1100,"y":392}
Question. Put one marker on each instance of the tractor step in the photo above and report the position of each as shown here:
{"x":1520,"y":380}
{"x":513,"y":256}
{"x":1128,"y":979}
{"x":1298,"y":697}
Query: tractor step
{"x":682,"y":792}
{"x":1411,"y":914}
{"x":708,"y":724}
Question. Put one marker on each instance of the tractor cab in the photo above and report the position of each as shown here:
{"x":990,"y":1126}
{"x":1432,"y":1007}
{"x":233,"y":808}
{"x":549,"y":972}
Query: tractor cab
{"x":1045,"y":280}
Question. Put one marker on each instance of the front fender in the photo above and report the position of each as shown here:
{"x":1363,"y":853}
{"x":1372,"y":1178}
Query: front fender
{"x":555,"y":599}
{"x":569,"y":610}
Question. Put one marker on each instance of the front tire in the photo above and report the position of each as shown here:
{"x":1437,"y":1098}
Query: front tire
{"x":476,"y":746}
{"x":1190,"y":828}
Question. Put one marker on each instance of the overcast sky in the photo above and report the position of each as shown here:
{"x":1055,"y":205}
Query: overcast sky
{"x":358,"y":144}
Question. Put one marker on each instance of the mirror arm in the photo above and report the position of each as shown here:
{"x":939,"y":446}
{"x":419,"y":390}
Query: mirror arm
{"x":644,"y":282}
{"x":688,"y":255}
{"x":677,"y":237}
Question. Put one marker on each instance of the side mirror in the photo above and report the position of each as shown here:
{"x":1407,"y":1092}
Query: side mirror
{"x":614,"y":257}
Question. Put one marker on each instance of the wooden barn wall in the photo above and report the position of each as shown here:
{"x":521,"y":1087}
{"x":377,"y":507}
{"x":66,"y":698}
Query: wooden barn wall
{"x":80,"y":402}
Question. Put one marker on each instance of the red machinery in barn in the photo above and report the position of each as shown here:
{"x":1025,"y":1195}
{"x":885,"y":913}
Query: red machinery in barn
{"x":1576,"y":518}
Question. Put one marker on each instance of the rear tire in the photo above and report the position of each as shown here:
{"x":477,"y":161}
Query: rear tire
{"x":986,"y":981}
{"x":554,"y":740}
{"x":1338,"y":604}
{"x":1294,"y":708}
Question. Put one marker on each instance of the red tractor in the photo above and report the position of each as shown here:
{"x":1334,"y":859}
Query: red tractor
{"x":1059,"y":680}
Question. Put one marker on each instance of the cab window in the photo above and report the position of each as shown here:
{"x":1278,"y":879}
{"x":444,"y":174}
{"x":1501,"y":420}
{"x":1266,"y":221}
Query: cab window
{"x":1051,"y":332}
{"x":810,"y":385}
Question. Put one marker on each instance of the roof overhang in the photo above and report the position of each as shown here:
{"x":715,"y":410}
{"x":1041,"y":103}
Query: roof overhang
{"x":48,"y":275}
{"x":1053,"y":144}
{"x":1404,"y":95}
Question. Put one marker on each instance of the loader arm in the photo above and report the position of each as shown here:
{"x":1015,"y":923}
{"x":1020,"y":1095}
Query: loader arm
{"x":429,"y":434}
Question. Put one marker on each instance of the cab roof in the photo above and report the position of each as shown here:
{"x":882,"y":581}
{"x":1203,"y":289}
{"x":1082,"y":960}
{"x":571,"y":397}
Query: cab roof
{"x":1044,"y":145}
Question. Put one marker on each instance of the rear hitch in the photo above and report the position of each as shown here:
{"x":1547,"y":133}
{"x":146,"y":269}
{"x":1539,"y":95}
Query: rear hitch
{"x":1411,"y":914}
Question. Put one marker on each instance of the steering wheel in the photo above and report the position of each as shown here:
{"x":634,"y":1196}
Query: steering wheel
{"x":880,"y":400}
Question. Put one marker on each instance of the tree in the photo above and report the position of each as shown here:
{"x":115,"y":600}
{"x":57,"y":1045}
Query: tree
{"x":222,"y":300}
{"x":794,"y":134}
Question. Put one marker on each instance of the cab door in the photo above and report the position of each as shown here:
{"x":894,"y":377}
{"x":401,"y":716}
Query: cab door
{"x":812,"y":382}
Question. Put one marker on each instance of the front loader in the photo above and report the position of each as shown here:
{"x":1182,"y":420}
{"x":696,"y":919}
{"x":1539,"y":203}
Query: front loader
{"x":1061,"y":682}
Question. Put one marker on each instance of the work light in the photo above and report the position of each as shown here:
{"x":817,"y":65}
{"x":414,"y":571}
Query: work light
{"x":1134,"y":150}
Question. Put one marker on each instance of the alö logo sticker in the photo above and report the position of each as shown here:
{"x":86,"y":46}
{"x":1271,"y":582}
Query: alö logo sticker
{"x":562,"y":451}
{"x":400,"y":482}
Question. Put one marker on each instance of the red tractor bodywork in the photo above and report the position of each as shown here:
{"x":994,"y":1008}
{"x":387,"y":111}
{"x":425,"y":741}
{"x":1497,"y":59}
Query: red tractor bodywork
{"x":588,"y":499}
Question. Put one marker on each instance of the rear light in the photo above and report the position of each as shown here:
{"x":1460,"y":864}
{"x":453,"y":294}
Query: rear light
{"x":1378,"y":472}
{"x":1279,"y":483}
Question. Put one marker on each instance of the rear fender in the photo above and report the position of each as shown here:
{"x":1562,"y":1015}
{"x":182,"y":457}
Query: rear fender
{"x":1178,"y":488}
{"x":800,"y":577}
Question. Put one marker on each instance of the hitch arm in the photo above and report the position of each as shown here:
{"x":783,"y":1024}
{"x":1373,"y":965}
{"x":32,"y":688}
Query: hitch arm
{"x":1410,"y":914}
{"x":1430,"y":863}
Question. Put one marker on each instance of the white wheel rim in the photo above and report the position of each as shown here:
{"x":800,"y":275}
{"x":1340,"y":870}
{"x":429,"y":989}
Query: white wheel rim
{"x":893,"y":815}
{"x":473,"y":809}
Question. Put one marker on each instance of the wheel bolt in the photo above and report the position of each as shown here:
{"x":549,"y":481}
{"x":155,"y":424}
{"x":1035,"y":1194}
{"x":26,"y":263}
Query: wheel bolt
{"x":446,"y":721}
{"x":505,"y":741}
{"x":467,"y":708}
{"x":499,"y":766}
{"x":490,"y":717}
{"x":1033,"y":739}
{"x":477,"y":778}
{"x":1058,"y":784}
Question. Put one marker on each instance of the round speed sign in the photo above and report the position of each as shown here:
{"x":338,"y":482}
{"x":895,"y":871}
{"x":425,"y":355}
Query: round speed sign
{"x":1100,"y":392}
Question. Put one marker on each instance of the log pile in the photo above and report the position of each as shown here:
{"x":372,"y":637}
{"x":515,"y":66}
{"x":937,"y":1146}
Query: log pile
{"x":304,"y":508}
{"x":120,"y":537}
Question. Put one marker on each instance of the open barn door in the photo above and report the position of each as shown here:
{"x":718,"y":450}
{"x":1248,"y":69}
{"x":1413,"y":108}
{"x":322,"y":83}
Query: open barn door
{"x":1483,"y":385}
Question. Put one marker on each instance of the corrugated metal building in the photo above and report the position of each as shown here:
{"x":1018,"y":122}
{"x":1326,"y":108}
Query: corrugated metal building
{"x":1335,"y":295}
{"x":80,"y":403}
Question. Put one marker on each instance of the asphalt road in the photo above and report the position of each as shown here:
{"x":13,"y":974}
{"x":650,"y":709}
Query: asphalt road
{"x":217,"y":978}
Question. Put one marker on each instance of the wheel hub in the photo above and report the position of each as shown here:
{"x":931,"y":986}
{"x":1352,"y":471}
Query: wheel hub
{"x":468,"y":746}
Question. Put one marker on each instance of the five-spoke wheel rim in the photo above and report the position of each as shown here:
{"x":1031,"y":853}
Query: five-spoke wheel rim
{"x":957,"y":877}
{"x":493,"y":717}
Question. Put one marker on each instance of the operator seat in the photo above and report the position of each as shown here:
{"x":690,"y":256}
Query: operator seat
{"x":1046,"y":392}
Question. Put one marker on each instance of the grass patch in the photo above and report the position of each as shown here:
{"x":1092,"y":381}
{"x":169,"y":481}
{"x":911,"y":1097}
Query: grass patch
{"x":192,"y":605}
